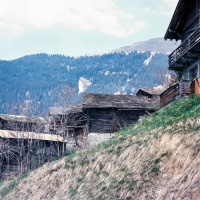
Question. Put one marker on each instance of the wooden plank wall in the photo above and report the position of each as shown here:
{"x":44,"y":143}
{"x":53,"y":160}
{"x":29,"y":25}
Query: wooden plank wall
{"x":194,"y":13}
{"x":101,"y":121}
{"x":108,"y":120}
{"x":169,"y":95}
{"x":19,"y":126}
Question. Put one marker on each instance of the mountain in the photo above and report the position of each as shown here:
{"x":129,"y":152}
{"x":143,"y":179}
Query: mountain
{"x":31,"y":84}
{"x":158,"y":158}
{"x":153,"y":45}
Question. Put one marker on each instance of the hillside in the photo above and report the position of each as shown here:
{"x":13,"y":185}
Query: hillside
{"x":158,"y":158}
{"x":38,"y":79}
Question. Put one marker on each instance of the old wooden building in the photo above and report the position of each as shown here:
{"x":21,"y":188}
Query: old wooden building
{"x":70,"y":123}
{"x":108,"y":113}
{"x":24,"y":144}
{"x":22,"y":151}
{"x":185,"y":60}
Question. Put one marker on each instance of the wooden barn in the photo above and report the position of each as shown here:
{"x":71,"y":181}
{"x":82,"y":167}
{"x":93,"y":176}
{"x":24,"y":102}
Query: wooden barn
{"x":70,"y":123}
{"x":25,"y":146}
{"x":108,"y":113}
{"x":22,"y":151}
{"x":185,"y":60}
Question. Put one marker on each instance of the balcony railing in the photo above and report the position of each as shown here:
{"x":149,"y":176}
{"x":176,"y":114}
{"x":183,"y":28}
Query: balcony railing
{"x":186,"y":46}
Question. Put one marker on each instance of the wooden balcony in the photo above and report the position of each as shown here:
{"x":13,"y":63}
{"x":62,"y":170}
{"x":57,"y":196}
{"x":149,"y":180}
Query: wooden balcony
{"x":187,"y":53}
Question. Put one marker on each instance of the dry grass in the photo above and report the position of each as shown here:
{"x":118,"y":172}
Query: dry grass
{"x":141,"y":167}
{"x":157,"y":159}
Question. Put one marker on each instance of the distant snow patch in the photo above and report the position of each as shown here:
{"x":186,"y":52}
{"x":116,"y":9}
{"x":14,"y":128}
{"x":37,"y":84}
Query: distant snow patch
{"x":140,"y":52}
{"x":148,"y":60}
{"x":159,"y":88}
{"x":117,"y":93}
{"x":83,"y":84}
{"x":107,"y":73}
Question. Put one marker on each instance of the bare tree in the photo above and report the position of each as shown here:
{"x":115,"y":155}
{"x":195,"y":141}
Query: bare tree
{"x":65,"y":96}
{"x":166,"y":78}
{"x":66,"y":122}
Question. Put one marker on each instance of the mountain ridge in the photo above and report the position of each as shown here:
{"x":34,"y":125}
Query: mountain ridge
{"x":153,"y":45}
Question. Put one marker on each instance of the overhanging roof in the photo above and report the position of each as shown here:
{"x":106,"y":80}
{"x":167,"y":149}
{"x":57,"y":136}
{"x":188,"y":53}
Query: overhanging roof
{"x":150,"y":91}
{"x":30,"y":135}
{"x":178,"y":20}
{"x":119,"y":101}
{"x":62,"y":110}
{"x":20,"y":118}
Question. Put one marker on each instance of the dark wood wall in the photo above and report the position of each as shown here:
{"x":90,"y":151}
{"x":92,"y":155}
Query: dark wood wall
{"x":18,"y":156}
{"x":21,"y":126}
{"x":192,"y":20}
{"x":108,"y":120}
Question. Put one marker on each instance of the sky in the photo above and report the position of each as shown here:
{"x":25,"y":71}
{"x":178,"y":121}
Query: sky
{"x":79,"y":27}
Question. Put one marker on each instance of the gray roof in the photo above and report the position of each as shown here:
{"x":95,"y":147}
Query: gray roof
{"x":61,"y":110}
{"x":151,"y":91}
{"x":119,"y":101}
{"x":174,"y":86}
{"x":20,"y":118}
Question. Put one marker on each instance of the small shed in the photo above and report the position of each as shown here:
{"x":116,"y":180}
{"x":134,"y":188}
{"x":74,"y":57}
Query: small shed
{"x":22,"y":151}
{"x":108,"y":113}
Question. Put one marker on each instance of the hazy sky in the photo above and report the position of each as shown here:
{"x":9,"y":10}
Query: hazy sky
{"x":79,"y":27}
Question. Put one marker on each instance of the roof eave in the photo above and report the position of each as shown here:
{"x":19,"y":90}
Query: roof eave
{"x":173,"y":35}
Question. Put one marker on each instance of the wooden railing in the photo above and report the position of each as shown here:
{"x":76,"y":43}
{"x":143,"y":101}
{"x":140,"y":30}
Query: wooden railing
{"x":187,"y":45}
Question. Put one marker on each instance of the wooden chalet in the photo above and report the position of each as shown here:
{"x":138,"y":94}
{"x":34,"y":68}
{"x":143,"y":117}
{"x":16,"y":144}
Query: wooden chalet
{"x":70,"y":123}
{"x":185,"y":60}
{"x":108,"y":113}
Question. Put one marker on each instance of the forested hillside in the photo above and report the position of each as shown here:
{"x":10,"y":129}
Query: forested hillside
{"x":36,"y":80}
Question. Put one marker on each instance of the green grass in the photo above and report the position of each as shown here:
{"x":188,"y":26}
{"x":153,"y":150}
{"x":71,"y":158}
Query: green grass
{"x":11,"y":184}
{"x":175,"y":112}
{"x":72,"y":192}
{"x":178,"y":111}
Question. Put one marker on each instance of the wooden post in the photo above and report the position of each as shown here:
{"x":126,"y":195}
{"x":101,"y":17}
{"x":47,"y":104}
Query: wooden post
{"x":197,"y":86}
{"x":8,"y":158}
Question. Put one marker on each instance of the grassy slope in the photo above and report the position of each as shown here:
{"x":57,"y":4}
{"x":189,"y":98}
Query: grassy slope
{"x":159,"y":158}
